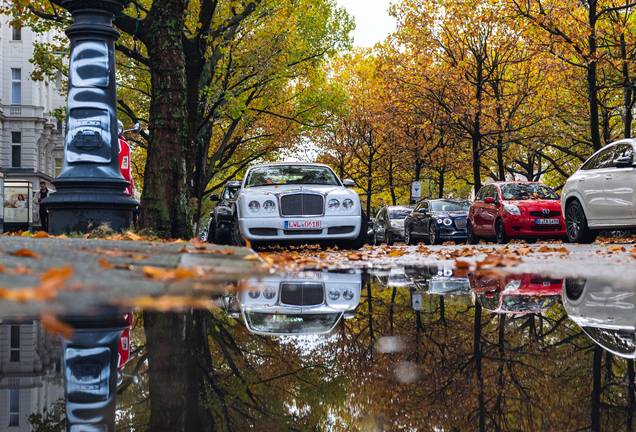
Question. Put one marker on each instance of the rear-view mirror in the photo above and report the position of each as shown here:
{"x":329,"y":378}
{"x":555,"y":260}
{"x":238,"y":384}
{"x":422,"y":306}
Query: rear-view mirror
{"x":214,"y":197}
{"x":489,"y":200}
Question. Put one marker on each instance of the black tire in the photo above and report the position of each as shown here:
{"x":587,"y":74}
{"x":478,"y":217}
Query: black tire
{"x":389,"y":239}
{"x":359,"y":241}
{"x":574,"y":288}
{"x":576,"y":224}
{"x":375,"y":239}
{"x":408,"y":239}
{"x":500,"y":232}
{"x":471,"y":238}
{"x":432,"y":234}
{"x":237,"y":239}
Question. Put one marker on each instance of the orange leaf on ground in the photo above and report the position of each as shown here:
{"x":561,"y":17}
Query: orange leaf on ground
{"x":250,"y":257}
{"x":354,"y":257}
{"x":248,"y":243}
{"x":105,"y":264}
{"x":617,"y":249}
{"x":396,"y":253}
{"x":461,"y":264}
{"x":131,"y":235}
{"x":196,"y":243}
{"x":1,"y":268}
{"x":61,"y":236}
{"x":21,"y":270}
{"x":40,"y":234}
{"x":26,"y":253}
{"x":161,"y":274}
{"x":54,"y":326}
{"x":138,"y":256}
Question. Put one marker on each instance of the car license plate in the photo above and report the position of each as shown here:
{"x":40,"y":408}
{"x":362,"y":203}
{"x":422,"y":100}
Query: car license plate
{"x":303,"y":275}
{"x":302,"y":224}
{"x":547,"y":221}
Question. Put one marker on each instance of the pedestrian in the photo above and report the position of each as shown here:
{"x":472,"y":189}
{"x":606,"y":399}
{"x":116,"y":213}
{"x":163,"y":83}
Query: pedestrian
{"x":44,"y":215}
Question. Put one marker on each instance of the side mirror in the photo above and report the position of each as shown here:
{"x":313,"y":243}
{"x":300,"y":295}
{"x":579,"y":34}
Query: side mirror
{"x":349,"y":315}
{"x":214,"y":197}
{"x":211,"y":214}
{"x":489,"y":200}
{"x":136,"y":129}
{"x":348,"y":183}
{"x":624,"y":162}
{"x":423,"y":211}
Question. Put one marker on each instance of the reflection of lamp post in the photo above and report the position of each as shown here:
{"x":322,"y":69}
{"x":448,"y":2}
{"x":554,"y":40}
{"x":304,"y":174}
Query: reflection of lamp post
{"x":1,"y":201}
{"x":90,"y":188}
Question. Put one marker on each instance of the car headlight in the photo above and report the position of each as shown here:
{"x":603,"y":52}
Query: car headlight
{"x":269,"y":293}
{"x":254,"y":293}
{"x":334,"y":294}
{"x":254,"y":206}
{"x":440,"y":220}
{"x":448,"y":221}
{"x":333,"y":204}
{"x":512,"y":285}
{"x":347,"y":294}
{"x":512,"y":209}
{"x":347,"y":204}
{"x":269,"y":206}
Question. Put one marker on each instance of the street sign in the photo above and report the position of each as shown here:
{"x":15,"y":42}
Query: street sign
{"x":417,"y":301}
{"x":416,"y":190}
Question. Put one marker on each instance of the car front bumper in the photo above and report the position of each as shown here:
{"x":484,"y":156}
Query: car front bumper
{"x":397,"y":233}
{"x":273,"y":228}
{"x":527,"y":227}
{"x":451,"y":234}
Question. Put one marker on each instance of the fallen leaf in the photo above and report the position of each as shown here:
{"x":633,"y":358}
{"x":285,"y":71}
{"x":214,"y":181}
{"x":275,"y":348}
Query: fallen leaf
{"x":138,"y":256}
{"x":54,"y":326}
{"x":523,"y":250}
{"x":461,"y":264}
{"x":250,"y":257}
{"x":617,"y":249}
{"x":197,"y":244}
{"x":21,"y":270}
{"x":105,"y":264}
{"x":396,"y":253}
{"x":87,"y":235}
{"x":158,"y":273}
{"x":41,"y":234}
{"x":61,"y":236}
{"x":26,"y":234}
{"x":178,"y":241}
{"x":354,"y":257}
{"x":131,"y":235}
{"x":26,"y":253}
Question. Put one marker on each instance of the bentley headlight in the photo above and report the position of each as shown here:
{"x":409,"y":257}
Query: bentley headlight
{"x":347,"y":294}
{"x":333,"y":204}
{"x":254,"y":206}
{"x":269,"y":206}
{"x":334,"y":294}
{"x":269,"y":293}
{"x":254,"y":293}
{"x":512,"y":209}
{"x":347,"y":204}
{"x":448,"y":221}
{"x":440,"y":220}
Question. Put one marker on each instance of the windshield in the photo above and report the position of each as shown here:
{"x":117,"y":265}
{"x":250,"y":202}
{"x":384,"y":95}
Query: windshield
{"x":229,"y":192}
{"x":291,"y":174}
{"x":293,"y":323}
{"x":527,"y":191}
{"x":447,"y":286}
{"x":399,"y":213}
{"x":450,"y":206}
{"x":521,"y":303}
{"x":620,"y":341}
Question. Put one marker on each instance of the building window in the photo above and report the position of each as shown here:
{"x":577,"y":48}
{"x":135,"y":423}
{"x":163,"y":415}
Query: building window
{"x":16,"y":149}
{"x":16,"y":32}
{"x":59,"y":125}
{"x":58,"y":166}
{"x":15,"y":344}
{"x":16,"y":86}
{"x":14,"y":407}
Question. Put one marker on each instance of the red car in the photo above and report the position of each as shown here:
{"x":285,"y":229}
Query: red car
{"x":515,"y":209}
{"x":516,"y":294}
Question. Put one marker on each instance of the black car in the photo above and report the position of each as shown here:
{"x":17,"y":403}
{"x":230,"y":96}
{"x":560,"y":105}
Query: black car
{"x":437,"y":220}
{"x":220,"y":223}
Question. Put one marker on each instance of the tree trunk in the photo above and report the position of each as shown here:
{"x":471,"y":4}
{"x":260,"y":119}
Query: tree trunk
{"x":631,"y":397}
{"x":476,"y":132}
{"x":440,"y":184}
{"x":478,"y":357}
{"x":391,"y":185}
{"x":164,"y":199}
{"x":627,"y":91}
{"x":596,"y":389}
{"x":592,"y":91}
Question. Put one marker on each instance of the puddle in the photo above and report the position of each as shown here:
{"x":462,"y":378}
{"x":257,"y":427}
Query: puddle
{"x":406,"y":348}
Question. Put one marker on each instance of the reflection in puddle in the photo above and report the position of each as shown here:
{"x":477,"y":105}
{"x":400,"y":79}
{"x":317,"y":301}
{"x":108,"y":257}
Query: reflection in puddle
{"x":411,"y":348}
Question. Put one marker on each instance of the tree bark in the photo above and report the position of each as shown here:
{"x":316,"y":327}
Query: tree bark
{"x":592,"y":90}
{"x":165,"y":196}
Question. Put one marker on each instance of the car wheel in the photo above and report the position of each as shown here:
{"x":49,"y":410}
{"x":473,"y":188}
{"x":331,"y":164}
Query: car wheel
{"x":471,"y":238}
{"x":204,"y":235}
{"x":359,"y":241}
{"x":432,"y":235}
{"x":237,"y":239}
{"x":389,"y":239}
{"x":408,"y":239}
{"x":574,"y":288}
{"x":576,"y":224}
{"x":500,"y":232}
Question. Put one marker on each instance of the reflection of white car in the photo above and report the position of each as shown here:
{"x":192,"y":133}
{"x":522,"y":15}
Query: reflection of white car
{"x":446,"y":283}
{"x":304,"y":302}
{"x":606,"y":313}
{"x":297,"y":202}
{"x":394,"y":278}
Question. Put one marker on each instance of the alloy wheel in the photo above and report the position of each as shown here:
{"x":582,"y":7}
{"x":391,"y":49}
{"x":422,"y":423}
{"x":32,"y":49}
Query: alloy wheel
{"x":573,"y":222}
{"x":432,"y":235}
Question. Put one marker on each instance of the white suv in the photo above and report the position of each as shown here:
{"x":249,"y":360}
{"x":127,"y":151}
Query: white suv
{"x":601,"y":194}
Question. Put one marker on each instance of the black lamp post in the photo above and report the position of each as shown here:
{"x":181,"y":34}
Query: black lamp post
{"x":90,"y":188}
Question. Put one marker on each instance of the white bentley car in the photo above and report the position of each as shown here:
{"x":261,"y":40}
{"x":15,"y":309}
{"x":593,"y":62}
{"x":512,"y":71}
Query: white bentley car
{"x":291,"y":201}
{"x":301,"y":302}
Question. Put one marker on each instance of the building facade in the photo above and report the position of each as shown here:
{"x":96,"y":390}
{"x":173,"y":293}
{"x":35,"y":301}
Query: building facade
{"x":31,"y":139}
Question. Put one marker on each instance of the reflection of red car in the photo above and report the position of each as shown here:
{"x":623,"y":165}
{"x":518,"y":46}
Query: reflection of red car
{"x":515,"y":209}
{"x":517,"y":294}
{"x":124,"y":343}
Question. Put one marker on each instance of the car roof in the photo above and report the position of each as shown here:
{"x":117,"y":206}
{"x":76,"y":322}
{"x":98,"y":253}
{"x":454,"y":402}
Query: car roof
{"x":513,"y":182}
{"x":288,"y":163}
{"x":448,"y":199}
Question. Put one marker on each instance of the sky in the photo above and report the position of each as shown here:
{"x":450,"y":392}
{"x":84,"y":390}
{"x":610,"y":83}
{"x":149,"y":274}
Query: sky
{"x":373,"y":23}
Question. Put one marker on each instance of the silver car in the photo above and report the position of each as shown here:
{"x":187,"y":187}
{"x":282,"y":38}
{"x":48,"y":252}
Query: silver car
{"x":389,"y":224}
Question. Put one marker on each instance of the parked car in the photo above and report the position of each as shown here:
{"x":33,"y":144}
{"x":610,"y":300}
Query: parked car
{"x":515,"y":209}
{"x":389,"y":224}
{"x":203,"y":234}
{"x":370,"y":233}
{"x":297,"y":202}
{"x":301,"y":302}
{"x":601,"y":194}
{"x":438,"y":279}
{"x":219,"y":229}
{"x":437,"y":220}
{"x":604,"y":309}
{"x":515,"y":293}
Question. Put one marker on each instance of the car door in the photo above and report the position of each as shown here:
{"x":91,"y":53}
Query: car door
{"x":591,"y":183}
{"x":379,"y":225}
{"x":489,"y":211}
{"x":413,"y":217}
{"x":477,"y":207}
{"x":619,"y":188}
{"x":420,"y":219}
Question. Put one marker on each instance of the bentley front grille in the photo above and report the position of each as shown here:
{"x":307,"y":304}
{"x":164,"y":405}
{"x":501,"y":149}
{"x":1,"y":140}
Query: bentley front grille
{"x":302,"y":204}
{"x":302,"y":294}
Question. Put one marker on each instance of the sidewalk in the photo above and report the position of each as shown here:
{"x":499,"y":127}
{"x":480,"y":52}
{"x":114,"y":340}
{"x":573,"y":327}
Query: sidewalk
{"x":73,"y":275}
